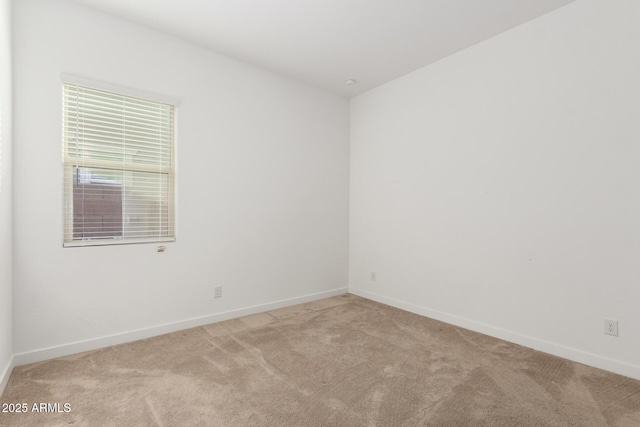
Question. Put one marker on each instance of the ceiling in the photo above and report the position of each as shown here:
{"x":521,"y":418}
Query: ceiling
{"x":326,"y":42}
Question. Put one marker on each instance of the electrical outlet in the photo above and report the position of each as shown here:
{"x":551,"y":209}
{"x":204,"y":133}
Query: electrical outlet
{"x":611,"y":327}
{"x":217,"y":292}
{"x":373,"y":276}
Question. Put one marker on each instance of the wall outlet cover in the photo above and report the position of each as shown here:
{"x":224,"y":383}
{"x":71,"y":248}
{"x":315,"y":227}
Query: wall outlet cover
{"x":611,"y":327}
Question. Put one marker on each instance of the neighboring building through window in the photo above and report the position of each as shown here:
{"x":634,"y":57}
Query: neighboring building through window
{"x":118,"y":168}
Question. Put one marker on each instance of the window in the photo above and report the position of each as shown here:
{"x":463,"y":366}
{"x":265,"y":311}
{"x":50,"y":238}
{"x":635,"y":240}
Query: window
{"x":118,"y":168}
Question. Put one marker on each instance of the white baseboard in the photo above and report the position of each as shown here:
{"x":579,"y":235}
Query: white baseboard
{"x":5,"y":374}
{"x":612,"y":365}
{"x":106,"y":341}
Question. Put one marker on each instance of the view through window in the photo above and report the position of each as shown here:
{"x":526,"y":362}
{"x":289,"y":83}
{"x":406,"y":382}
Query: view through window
{"x":118,"y":168}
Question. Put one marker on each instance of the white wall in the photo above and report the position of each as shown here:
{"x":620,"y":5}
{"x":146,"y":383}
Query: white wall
{"x":262,"y":187}
{"x":498,"y":188}
{"x":6,"y":348}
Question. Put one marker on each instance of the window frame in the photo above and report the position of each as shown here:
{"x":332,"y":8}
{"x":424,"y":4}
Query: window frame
{"x":69,"y":164}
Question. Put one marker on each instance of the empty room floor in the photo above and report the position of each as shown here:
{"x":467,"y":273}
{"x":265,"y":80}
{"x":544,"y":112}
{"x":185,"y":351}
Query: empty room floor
{"x":341,"y":361}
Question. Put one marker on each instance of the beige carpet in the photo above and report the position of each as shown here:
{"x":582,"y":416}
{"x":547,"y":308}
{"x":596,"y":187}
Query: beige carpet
{"x":343,"y":361}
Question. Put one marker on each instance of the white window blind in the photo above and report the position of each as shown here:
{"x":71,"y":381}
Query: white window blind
{"x":118,"y":168}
